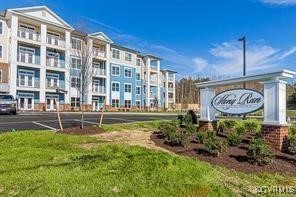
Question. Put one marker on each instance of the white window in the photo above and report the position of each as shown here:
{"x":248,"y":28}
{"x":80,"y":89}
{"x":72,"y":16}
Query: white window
{"x":75,"y":82}
{"x":75,"y":102}
{"x":0,"y":76}
{"x":115,"y":53}
{"x":76,"y":63}
{"x":138,"y":62}
{"x":76,"y":43}
{"x":138,"y":90}
{"x":1,"y":51}
{"x":138,"y":104}
{"x":127,"y":103}
{"x":128,"y":88}
{"x":128,"y":57}
{"x":128,"y":72}
{"x":1,"y":27}
{"x":115,"y":86}
{"x":138,"y":76}
{"x":115,"y":103}
{"x":115,"y":71}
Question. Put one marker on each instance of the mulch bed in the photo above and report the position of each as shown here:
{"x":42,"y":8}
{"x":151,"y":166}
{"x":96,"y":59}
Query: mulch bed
{"x":234,"y":158}
{"x":87,"y":130}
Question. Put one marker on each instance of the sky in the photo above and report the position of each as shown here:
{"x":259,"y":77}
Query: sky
{"x":194,"y":37}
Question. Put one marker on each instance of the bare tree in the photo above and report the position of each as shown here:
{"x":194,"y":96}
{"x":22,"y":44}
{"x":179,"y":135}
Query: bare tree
{"x":81,"y":71}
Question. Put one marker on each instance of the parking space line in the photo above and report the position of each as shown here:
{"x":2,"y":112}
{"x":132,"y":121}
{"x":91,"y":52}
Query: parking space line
{"x":123,"y":119}
{"x":43,"y":125}
{"x":87,"y":121}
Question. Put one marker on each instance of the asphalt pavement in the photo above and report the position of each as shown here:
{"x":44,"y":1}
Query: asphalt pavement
{"x":48,"y":120}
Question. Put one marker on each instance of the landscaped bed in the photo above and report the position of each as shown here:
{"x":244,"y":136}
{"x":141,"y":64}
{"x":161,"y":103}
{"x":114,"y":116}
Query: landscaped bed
{"x":235,"y":157}
{"x":237,"y":145}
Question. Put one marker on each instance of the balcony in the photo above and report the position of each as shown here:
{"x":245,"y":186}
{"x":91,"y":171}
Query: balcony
{"x":170,"y":89}
{"x":28,"y":58}
{"x":4,"y":87}
{"x":56,"y":41}
{"x":171,"y":79}
{"x":99,"y":89}
{"x":153,"y":82}
{"x":153,"y":96}
{"x":55,"y":63}
{"x":99,"y":71}
{"x":153,"y":68}
{"x":171,"y":99}
{"x":30,"y":83}
{"x":59,"y":85}
{"x":97,"y":53}
{"x":28,"y":34}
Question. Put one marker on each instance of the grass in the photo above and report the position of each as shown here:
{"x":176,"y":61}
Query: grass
{"x":143,"y":125}
{"x":41,"y":163}
{"x":291,"y":113}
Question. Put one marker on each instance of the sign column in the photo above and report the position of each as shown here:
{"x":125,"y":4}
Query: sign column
{"x":207,"y":120}
{"x":275,"y":127}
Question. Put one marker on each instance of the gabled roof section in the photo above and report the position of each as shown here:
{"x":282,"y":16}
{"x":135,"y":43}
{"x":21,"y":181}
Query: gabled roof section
{"x":41,"y":13}
{"x":101,"y":36}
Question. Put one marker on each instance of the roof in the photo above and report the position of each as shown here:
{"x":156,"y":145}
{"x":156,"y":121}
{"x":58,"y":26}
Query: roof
{"x":168,"y":70}
{"x":101,"y":36}
{"x":153,"y":56}
{"x":124,"y":48}
{"x":32,"y":12}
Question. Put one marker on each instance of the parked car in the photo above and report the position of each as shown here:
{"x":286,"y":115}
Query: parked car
{"x":7,"y":104}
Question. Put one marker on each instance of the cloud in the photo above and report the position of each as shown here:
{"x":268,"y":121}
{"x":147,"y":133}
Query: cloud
{"x":227,"y":58}
{"x":280,"y":2}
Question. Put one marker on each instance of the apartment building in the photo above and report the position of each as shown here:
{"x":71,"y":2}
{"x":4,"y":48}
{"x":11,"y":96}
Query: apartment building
{"x":40,"y":62}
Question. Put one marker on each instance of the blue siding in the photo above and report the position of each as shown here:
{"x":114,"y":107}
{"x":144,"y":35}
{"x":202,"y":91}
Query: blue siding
{"x":122,"y":80}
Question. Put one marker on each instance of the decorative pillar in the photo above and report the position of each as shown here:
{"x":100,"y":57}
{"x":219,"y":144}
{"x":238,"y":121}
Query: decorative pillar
{"x":207,"y":120}
{"x":148,"y":75}
{"x":158,"y":84}
{"x":68,"y":67}
{"x":108,"y":82}
{"x":275,"y":127}
{"x":166,"y":90}
{"x":13,"y":56}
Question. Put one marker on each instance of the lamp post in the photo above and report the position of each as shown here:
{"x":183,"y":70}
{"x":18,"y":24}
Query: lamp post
{"x":243,"y":40}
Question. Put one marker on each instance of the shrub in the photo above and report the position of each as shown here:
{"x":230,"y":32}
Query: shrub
{"x":213,"y":145}
{"x":252,"y":125}
{"x":200,"y":136}
{"x":292,"y":129}
{"x":221,"y":127}
{"x":259,"y":152}
{"x":291,"y":144}
{"x":190,"y":129}
{"x":167,"y":128}
{"x":229,"y":124}
{"x":180,"y":119}
{"x":193,"y":116}
{"x":187,"y":119}
{"x":178,"y":138}
{"x":234,"y":138}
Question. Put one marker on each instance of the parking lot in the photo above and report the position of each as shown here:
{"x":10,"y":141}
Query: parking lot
{"x":48,"y":120}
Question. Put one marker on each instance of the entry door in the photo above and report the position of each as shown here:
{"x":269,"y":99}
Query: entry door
{"x":96,"y":106}
{"x":26,"y":103}
{"x":51,"y":104}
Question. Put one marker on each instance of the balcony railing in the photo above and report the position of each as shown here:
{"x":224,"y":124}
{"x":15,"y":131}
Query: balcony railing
{"x":34,"y":83}
{"x":57,"y":63}
{"x":61,"y":85}
{"x":153,"y":67}
{"x":28,"y":58}
{"x":99,"y":89}
{"x":171,"y":99}
{"x":98,"y":52}
{"x":4,"y":87}
{"x":28,"y":34}
{"x":99,"y":71}
{"x":153,"y":82}
{"x":170,"y":89}
{"x":153,"y":96}
{"x":171,"y":78}
{"x":54,"y":40}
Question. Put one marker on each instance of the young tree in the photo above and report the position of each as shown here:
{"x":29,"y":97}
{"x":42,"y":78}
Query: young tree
{"x":80,"y":70}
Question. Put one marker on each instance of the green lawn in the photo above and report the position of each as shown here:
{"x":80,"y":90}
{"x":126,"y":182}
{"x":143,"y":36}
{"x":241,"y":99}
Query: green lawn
{"x":41,"y":163}
{"x":143,"y":125}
